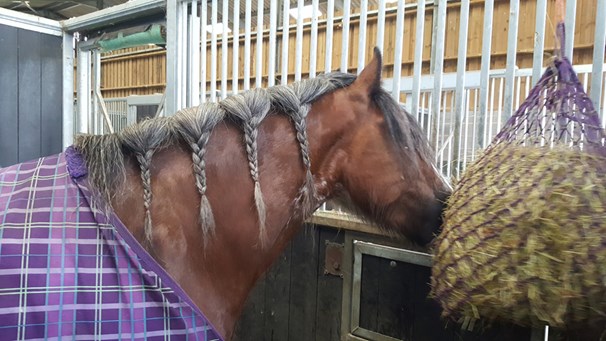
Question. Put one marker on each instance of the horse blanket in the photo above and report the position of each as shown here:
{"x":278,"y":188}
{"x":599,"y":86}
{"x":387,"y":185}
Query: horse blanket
{"x":70,"y":271}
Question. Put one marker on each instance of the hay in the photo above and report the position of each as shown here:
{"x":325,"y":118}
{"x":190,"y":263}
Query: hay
{"x":523,"y":238}
{"x":524,"y":235}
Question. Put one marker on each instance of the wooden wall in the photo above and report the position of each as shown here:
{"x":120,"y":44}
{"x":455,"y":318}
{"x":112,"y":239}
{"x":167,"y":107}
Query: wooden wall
{"x":31,"y":98}
{"x":143,"y":71}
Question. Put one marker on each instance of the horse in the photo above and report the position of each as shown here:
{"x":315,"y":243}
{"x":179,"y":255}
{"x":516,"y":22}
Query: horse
{"x":200,"y":203}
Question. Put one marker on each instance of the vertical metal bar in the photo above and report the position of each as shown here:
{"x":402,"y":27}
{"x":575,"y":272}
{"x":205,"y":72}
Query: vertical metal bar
{"x":329,"y":32}
{"x":183,"y":55}
{"x":203,"y":34}
{"x":313,"y":53}
{"x":460,"y":89}
{"x":213,"y":52}
{"x":225,"y":21}
{"x":97,"y":126}
{"x":235,"y":74}
{"x":598,"y":55}
{"x":539,"y":41}
{"x":259,"y":50}
{"x":569,"y":23}
{"x":484,"y":69}
{"x":68,"y":89}
{"x":362,"y":35}
{"x":299,"y":45}
{"x":345,"y":38}
{"x":510,"y":65}
{"x":439,"y":57}
{"x":285,"y":41}
{"x":273,"y":23}
{"x":397,"y":59}
{"x":247,"y":45}
{"x":195,"y":56}
{"x":418,"y":59}
{"x":381,"y":25}
{"x":172,"y":55}
{"x":84,"y":98}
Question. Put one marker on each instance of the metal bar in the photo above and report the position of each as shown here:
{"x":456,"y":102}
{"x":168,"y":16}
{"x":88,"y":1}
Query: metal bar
{"x":108,"y":121}
{"x":247,"y":45}
{"x":418,"y":59}
{"x":116,"y":14}
{"x":203,"y":52}
{"x":285,"y":41}
{"x":172,"y":35}
{"x":362,"y":35}
{"x":569,"y":22}
{"x":96,"y":85}
{"x":30,"y":22}
{"x":510,"y":64}
{"x":539,"y":41}
{"x":273,"y":23}
{"x":195,"y":56}
{"x":299,"y":45}
{"x":345,"y":37}
{"x":68,"y":89}
{"x":329,"y":33}
{"x":460,"y":114}
{"x":438,"y":66}
{"x":397,"y":59}
{"x":236,"y":48}
{"x":183,"y":54}
{"x":598,"y":55}
{"x":485,"y":68}
{"x":213,"y":52}
{"x":224,"y":47}
{"x":381,"y":25}
{"x":84,"y":98}
{"x":314,"y":39}
{"x":259,"y":43}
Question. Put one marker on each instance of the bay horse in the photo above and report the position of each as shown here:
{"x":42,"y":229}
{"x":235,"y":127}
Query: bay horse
{"x":206,"y":199}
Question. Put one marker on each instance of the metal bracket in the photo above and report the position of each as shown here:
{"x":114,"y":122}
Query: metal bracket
{"x":333,"y":259}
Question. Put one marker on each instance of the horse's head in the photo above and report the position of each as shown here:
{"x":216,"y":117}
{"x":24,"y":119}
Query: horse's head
{"x":385,"y":169}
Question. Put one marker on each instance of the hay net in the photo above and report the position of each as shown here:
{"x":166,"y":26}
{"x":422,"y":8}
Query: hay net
{"x":524,"y":234}
{"x":556,"y":112}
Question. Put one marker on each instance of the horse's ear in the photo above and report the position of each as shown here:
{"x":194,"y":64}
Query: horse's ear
{"x":369,"y":80}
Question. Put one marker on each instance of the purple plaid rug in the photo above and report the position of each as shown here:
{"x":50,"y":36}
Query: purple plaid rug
{"x":68,"y":269}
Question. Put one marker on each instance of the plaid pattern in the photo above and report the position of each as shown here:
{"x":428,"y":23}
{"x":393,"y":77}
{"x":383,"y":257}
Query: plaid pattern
{"x":68,"y":269}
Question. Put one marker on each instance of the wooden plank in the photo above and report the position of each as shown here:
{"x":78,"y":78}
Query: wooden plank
{"x":277,"y":297}
{"x":29,"y":94}
{"x":330,"y":291}
{"x":51,"y":111}
{"x":303,"y":285}
{"x":369,"y":293}
{"x":8,"y":96}
{"x":251,"y":324}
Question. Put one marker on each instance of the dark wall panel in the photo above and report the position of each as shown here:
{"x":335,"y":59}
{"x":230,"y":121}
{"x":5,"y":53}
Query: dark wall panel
{"x":31,"y":85}
{"x":8,"y":96}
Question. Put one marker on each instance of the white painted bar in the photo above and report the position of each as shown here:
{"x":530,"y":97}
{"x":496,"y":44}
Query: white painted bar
{"x":203,"y":51}
{"x":510,"y":64}
{"x":439,"y":57}
{"x":259,"y":44}
{"x":236,"y":48}
{"x":68,"y":89}
{"x":225,"y":22}
{"x":381,"y":25}
{"x":329,"y":33}
{"x":362,"y":35}
{"x":271,"y":66}
{"x":299,"y":45}
{"x":195,"y":53}
{"x":569,"y":23}
{"x":345,"y":37}
{"x":285,"y":35}
{"x":484,"y":70}
{"x":313,"y":51}
{"x":84,"y":91}
{"x":213,"y":52}
{"x":539,"y":41}
{"x":247,"y":45}
{"x":172,"y":42}
{"x":397,"y":59}
{"x":598,"y":56}
{"x":418,"y":58}
{"x":460,"y":113}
